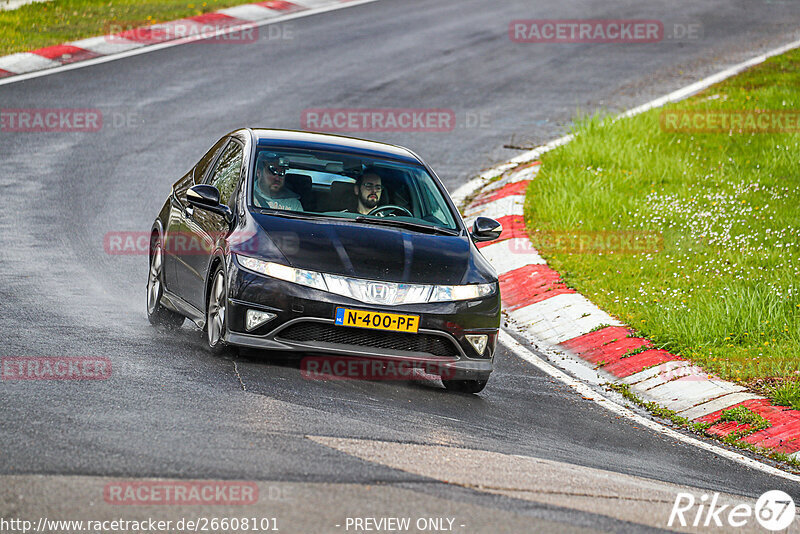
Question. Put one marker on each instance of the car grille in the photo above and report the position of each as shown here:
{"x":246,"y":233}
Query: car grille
{"x":412,"y":344}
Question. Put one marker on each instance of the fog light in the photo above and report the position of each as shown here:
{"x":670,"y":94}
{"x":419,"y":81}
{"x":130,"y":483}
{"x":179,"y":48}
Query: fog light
{"x":256,"y":318}
{"x":478,"y":342}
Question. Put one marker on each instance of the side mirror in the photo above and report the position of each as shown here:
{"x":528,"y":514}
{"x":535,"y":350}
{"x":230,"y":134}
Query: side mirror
{"x":206,"y":197}
{"x":486,"y":229}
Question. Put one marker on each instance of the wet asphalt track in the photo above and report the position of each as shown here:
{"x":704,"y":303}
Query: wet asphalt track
{"x":172,"y":410}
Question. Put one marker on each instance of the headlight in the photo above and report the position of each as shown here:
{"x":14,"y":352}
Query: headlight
{"x":284,"y":272}
{"x":449,"y":293}
{"x":391,"y":293}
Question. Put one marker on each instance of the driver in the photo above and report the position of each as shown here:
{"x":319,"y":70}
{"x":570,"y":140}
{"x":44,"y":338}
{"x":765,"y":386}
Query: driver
{"x":368,"y":189}
{"x":269,"y":190}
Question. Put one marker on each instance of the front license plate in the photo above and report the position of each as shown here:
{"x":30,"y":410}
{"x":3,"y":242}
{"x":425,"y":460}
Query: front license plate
{"x":377,"y":320}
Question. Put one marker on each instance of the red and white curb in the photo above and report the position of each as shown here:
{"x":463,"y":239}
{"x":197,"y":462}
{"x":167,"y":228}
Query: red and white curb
{"x":221,"y":22}
{"x":558,"y":319}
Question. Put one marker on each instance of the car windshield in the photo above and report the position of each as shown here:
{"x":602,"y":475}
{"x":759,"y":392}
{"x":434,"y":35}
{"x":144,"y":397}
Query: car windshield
{"x":331,"y":184}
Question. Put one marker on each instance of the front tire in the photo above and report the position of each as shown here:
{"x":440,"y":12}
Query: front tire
{"x":157,"y":314}
{"x":465,"y":386}
{"x":216,"y":316}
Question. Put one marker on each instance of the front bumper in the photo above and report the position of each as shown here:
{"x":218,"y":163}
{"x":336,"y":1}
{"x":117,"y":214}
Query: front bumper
{"x":305,"y":322}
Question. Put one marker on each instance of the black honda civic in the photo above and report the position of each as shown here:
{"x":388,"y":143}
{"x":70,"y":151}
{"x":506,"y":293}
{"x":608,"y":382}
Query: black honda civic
{"x":328,"y":245}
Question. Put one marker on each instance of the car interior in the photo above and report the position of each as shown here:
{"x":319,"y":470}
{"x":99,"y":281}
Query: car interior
{"x":326,"y":186}
{"x":338,"y":195}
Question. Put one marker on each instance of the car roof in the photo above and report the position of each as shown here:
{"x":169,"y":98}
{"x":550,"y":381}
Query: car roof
{"x":336,"y":143}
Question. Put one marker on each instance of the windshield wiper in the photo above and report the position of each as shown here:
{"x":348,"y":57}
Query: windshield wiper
{"x":289,"y":214}
{"x":369,"y":220}
{"x":407,"y":224}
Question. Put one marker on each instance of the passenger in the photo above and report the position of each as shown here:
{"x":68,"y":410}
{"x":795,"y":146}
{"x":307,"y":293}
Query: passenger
{"x":368,"y":189}
{"x":269,"y":189}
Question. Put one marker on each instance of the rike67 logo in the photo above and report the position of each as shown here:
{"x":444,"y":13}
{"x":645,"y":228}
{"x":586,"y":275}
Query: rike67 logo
{"x":774,"y":510}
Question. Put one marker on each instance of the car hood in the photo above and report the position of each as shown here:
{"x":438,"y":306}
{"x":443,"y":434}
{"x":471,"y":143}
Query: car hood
{"x":372,"y":252}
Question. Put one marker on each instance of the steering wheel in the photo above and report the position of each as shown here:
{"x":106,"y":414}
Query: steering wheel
{"x":389,"y":208}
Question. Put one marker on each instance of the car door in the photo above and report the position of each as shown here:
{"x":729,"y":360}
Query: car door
{"x":207,"y":227}
{"x":176,"y":234}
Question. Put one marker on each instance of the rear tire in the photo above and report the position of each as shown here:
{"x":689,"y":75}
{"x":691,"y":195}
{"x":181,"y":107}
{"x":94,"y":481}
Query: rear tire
{"x":157,"y":314}
{"x":216,"y":313}
{"x":465,"y":386}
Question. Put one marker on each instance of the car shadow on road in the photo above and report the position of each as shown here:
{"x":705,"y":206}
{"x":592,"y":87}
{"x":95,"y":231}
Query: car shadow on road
{"x":366,"y":372}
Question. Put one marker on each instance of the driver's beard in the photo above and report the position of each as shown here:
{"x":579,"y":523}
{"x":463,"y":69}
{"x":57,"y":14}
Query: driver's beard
{"x":368,"y":202}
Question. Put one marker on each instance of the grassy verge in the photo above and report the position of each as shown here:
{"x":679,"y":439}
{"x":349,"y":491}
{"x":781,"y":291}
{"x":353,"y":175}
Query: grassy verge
{"x":722,"y":286}
{"x":44,"y":24}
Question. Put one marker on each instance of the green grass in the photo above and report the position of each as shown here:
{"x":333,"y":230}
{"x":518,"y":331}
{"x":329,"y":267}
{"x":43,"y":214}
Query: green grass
{"x":745,"y":416}
{"x":787,"y":394}
{"x":44,"y":24}
{"x":655,"y":409}
{"x":723,"y":288}
{"x":634,"y":352}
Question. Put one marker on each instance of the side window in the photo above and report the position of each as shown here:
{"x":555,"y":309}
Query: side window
{"x":226,"y":173}
{"x":202,"y":166}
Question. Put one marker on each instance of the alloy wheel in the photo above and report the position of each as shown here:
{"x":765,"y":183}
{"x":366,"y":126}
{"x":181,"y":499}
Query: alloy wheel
{"x":216,"y":310}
